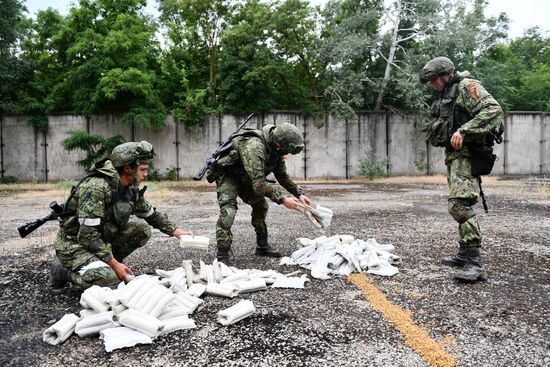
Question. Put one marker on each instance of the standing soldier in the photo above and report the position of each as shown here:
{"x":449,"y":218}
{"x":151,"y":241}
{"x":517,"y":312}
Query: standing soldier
{"x":92,"y":243}
{"x":242,"y":172}
{"x":467,"y":123}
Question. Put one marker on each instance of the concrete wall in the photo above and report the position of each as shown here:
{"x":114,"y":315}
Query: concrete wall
{"x":334,"y":149}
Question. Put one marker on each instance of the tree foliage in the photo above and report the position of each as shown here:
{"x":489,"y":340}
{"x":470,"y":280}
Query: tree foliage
{"x":206,"y":56}
{"x":96,"y":146}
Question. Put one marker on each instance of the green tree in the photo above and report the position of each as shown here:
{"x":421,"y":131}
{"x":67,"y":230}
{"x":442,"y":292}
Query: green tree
{"x":194,"y":29}
{"x":266,"y":61}
{"x":14,"y":72}
{"x":347,"y":52}
{"x":39,"y":50}
{"x":110,"y":61}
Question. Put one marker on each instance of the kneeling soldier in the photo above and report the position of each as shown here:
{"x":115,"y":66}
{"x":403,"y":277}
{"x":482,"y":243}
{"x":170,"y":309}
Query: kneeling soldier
{"x":91,"y":245}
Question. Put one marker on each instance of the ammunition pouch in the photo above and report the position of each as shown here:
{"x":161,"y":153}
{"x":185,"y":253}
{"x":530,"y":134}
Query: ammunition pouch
{"x":439,"y":132}
{"x":483,"y":159}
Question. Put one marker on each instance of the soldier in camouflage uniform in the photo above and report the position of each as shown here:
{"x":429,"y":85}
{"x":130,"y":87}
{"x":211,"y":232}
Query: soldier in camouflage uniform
{"x":466,"y":116}
{"x":91,"y":244}
{"x":242,"y":172}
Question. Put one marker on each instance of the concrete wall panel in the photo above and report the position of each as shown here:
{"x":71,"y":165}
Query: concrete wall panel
{"x":334,"y":149}
{"x":366,"y":134}
{"x":545,"y":144}
{"x":197,"y":144}
{"x":326,"y":149}
{"x":402,"y":147}
{"x":62,"y":164}
{"x":164,"y":144}
{"x":23,"y":150}
{"x":523,"y":146}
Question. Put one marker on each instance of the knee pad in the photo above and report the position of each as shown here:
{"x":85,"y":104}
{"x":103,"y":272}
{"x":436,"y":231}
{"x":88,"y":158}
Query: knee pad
{"x":104,"y":276}
{"x":227,"y":216}
{"x":460,"y":212}
{"x":141,"y":234}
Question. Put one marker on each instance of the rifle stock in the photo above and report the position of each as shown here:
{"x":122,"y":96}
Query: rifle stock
{"x":27,"y":228}
{"x":57,"y":212}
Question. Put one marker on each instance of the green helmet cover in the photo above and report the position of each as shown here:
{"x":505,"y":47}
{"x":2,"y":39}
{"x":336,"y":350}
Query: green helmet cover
{"x":289,"y":138}
{"x":139,"y":152}
{"x":435,"y":67}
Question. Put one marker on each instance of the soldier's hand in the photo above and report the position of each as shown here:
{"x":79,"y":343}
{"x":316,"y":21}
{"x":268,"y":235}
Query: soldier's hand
{"x":305,"y":200}
{"x":180,"y":232}
{"x":293,"y":203}
{"x":122,"y":271}
{"x":457,"y":140}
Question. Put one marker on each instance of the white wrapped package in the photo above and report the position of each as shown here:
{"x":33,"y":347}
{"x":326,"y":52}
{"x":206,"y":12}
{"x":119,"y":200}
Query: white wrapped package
{"x":253,"y":285}
{"x":61,"y":330}
{"x":85,"y":312}
{"x":290,"y":282}
{"x":236,"y":313}
{"x":239,"y":276}
{"x":141,"y":321}
{"x":173,"y":312}
{"x":92,"y":325}
{"x":196,"y":290}
{"x":94,"y":298}
{"x":222,"y":290}
{"x":177,"y":323}
{"x":196,"y":242}
{"x":122,"y":337}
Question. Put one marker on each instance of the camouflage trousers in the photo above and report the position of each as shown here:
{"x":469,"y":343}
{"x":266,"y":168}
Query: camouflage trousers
{"x":86,"y":269}
{"x":463,"y":194}
{"x":228,"y":188}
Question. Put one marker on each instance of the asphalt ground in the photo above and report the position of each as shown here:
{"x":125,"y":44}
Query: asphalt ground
{"x":419,"y":317}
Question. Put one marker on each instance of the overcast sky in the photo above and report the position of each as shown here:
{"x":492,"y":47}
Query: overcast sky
{"x":523,"y":14}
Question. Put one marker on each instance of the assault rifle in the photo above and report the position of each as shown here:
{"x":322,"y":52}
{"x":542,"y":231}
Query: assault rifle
{"x":221,"y":149}
{"x":57,"y":212}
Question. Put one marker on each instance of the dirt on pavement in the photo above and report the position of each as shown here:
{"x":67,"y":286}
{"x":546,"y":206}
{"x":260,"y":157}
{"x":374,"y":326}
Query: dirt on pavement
{"x":504,"y":321}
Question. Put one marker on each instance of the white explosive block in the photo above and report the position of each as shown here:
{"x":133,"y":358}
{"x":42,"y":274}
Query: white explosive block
{"x":196,"y":242}
{"x":177,"y":323}
{"x":61,"y":330}
{"x":236,"y":313}
{"x":141,"y":321}
{"x":122,"y":337}
{"x":93,"y":324}
{"x":222,"y":290}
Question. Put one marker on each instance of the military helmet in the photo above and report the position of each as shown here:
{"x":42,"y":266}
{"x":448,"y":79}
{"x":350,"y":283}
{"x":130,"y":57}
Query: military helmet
{"x":131,"y":152}
{"x":289,"y":138}
{"x":435,"y":67}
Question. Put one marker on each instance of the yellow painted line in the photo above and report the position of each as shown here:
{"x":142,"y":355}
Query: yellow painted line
{"x":415,"y":337}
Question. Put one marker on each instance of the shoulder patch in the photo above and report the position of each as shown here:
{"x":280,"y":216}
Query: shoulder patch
{"x":474,"y":90}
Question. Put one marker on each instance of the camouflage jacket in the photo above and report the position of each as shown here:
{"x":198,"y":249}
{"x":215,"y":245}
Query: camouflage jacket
{"x":474,"y":111}
{"x":98,"y":201}
{"x":259,"y":158}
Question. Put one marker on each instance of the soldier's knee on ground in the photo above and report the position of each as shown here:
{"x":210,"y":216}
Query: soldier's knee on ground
{"x":104,"y":277}
{"x":227,"y":216}
{"x":460,"y":211}
{"x":142,"y":234}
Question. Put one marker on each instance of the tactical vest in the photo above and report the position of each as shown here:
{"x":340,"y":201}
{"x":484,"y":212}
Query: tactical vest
{"x":120,"y":209}
{"x":450,"y":117}
{"x":229,"y":160}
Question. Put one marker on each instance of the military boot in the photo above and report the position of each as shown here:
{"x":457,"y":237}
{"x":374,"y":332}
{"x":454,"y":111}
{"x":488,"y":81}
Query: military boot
{"x":458,"y":260}
{"x":263,"y":248}
{"x":59,"y":276}
{"x":472,"y":271}
{"x":224,"y":254}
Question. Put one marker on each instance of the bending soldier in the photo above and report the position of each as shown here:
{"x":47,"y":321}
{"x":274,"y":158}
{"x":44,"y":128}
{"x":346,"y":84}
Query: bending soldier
{"x":91,"y":245}
{"x":242,"y":172}
{"x":466,"y":118}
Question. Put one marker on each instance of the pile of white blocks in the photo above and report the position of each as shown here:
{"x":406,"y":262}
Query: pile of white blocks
{"x":343,"y":255}
{"x":149,"y":306}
